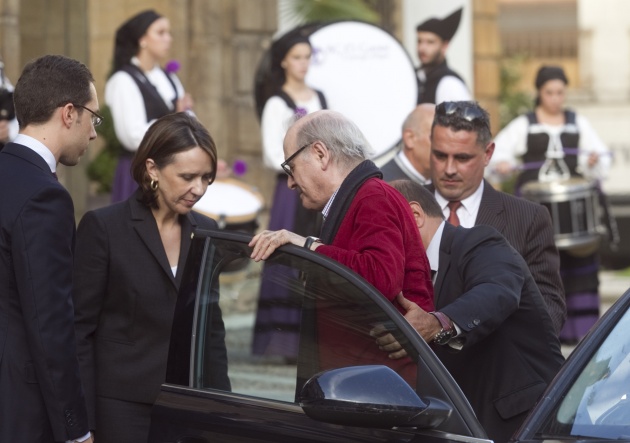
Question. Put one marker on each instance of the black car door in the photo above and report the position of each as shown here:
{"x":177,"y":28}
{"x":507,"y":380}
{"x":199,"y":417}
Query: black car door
{"x":221,"y":387}
{"x":589,"y":399}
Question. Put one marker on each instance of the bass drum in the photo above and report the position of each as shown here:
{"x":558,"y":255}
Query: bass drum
{"x":365,"y":74}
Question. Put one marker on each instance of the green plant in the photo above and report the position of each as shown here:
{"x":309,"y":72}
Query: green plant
{"x":102,"y":168}
{"x":513,"y":102}
{"x":304,"y":11}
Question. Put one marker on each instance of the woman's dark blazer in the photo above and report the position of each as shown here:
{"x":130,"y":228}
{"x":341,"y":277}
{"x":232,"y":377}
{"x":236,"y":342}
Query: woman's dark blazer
{"x":124,"y":297}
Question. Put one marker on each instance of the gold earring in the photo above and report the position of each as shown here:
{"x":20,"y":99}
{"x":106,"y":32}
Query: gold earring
{"x":154,"y":185}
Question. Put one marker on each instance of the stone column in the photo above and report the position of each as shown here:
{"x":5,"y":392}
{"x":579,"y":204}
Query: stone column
{"x":227,"y":41}
{"x":10,"y":38}
{"x":487,"y":52}
{"x":604,"y":44}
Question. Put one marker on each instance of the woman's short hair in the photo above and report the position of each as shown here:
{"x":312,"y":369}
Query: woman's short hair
{"x":168,"y":136}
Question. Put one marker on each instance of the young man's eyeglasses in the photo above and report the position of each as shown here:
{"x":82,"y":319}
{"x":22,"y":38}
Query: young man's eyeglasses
{"x":285,"y":164}
{"x":96,"y":119}
{"x":466,"y":110}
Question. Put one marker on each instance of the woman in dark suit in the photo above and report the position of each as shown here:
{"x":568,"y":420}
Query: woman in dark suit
{"x":129,"y":262}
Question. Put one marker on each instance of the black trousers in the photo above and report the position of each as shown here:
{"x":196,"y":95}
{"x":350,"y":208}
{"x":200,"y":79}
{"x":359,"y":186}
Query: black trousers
{"x":120,"y":421}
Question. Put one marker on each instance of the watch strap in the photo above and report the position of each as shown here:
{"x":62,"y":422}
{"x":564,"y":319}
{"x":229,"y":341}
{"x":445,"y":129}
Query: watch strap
{"x":443,"y":319}
{"x":310,"y":240}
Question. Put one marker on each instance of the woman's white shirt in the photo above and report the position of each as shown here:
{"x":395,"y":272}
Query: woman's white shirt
{"x":511,"y":144}
{"x":276,"y":119}
{"x":125,"y":101}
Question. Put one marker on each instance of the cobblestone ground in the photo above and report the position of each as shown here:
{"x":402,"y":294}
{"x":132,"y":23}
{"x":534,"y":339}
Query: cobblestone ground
{"x":268,"y":377}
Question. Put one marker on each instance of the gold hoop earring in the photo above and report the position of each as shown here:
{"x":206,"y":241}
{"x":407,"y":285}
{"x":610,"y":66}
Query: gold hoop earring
{"x":154,"y":185}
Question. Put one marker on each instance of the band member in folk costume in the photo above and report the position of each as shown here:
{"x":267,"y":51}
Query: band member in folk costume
{"x":289,"y":98}
{"x":436,"y":81}
{"x":140,"y":91}
{"x":552,"y":131}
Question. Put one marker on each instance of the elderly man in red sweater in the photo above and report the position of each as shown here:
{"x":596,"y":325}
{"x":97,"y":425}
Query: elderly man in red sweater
{"x":368,"y":225}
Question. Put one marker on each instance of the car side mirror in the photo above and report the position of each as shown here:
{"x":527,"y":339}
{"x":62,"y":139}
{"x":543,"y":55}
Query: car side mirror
{"x":368,"y":396}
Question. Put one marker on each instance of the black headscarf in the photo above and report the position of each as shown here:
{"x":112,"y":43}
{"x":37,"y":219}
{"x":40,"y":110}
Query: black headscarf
{"x":444,"y":28}
{"x":280,"y":49}
{"x":546,"y":73}
{"x":270,"y":76}
{"x":129,"y":34}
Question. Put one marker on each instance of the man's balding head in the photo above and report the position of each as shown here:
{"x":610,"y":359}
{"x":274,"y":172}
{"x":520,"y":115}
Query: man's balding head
{"x":341,"y":136}
{"x":321,"y":149}
{"x":416,"y":135}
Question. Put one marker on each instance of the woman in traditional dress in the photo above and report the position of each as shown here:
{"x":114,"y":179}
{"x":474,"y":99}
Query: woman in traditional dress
{"x":140,"y":91}
{"x":548,"y":132}
{"x":277,"y":323}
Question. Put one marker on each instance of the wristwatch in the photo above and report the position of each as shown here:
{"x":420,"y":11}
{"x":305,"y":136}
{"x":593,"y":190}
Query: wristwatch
{"x":447,"y":332}
{"x":310,"y":240}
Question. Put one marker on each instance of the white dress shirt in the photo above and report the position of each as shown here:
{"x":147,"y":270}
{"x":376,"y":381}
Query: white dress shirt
{"x":125,"y":101}
{"x":433,"y":254}
{"x":39,"y":148}
{"x":404,"y":163}
{"x":467,"y":212}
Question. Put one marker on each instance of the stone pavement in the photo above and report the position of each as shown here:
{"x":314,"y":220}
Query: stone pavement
{"x":612,"y":285}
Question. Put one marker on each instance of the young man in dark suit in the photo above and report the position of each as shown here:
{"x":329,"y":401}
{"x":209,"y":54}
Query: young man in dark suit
{"x":491,"y":328}
{"x":461,"y":147}
{"x":41,"y":395}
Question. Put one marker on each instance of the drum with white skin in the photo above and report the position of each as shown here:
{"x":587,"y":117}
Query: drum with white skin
{"x":365,"y":74}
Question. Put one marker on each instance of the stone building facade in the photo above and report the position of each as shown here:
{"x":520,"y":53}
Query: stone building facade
{"x":218,"y":43}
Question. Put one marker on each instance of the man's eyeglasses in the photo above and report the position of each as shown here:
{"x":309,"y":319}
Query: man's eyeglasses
{"x":465,"y":110}
{"x":285,"y":164}
{"x":96,"y":119}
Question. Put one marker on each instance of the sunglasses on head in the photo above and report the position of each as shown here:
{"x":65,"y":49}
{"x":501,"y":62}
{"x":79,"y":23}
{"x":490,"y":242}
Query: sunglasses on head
{"x":469,"y":112}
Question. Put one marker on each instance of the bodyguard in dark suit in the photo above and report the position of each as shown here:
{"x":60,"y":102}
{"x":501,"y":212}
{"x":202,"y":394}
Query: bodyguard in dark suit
{"x":41,"y":398}
{"x":461,"y":147}
{"x":128,"y":269}
{"x":491,"y":328}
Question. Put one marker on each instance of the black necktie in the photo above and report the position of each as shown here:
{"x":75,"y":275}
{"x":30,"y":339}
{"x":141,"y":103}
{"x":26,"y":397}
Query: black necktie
{"x":54,"y":174}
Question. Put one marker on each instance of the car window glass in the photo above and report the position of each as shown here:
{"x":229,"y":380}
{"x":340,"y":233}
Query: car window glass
{"x":598,"y":403}
{"x":310,"y":319}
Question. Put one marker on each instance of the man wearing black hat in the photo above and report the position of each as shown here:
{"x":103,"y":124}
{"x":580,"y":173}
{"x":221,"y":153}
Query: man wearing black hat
{"x":436,"y":81}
